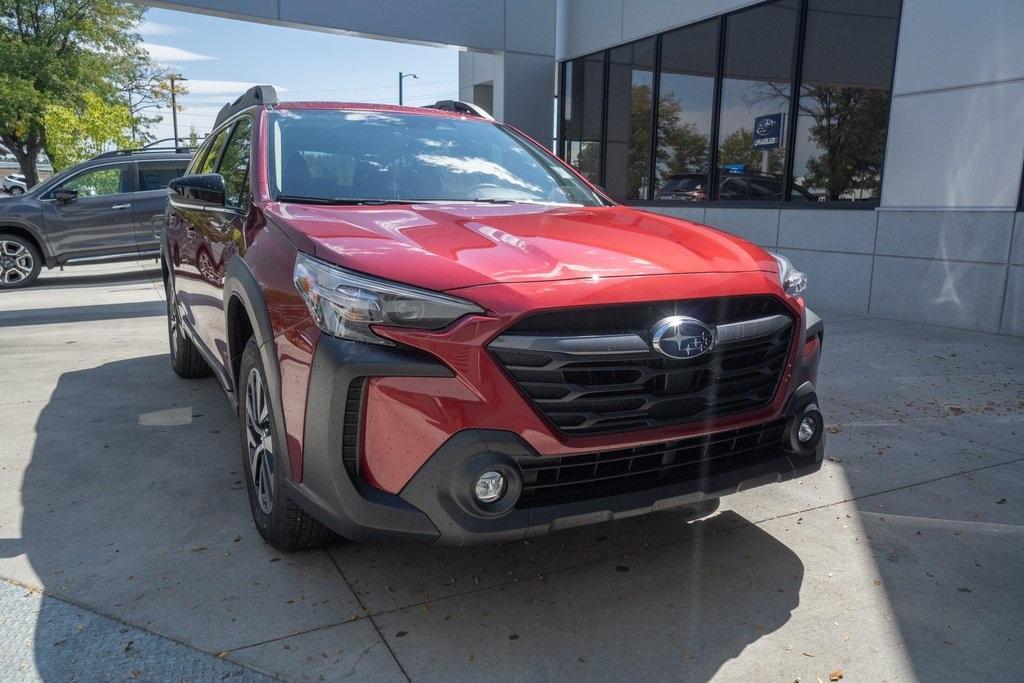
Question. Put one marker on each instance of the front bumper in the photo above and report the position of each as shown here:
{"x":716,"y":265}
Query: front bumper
{"x":435,"y":504}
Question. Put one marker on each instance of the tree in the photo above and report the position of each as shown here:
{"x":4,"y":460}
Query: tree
{"x":145,"y":88}
{"x":738,"y":148}
{"x":52,"y":53}
{"x":73,"y":136}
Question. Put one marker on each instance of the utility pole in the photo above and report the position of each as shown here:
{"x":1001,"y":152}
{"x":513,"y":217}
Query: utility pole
{"x":174,"y":109}
{"x":401,"y":78}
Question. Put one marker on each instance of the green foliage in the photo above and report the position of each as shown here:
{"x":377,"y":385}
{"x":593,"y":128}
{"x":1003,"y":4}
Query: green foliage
{"x":73,"y":136}
{"x":52,"y":53}
{"x":738,"y":148}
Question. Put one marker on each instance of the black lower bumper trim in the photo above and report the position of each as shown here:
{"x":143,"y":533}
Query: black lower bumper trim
{"x":438,"y":506}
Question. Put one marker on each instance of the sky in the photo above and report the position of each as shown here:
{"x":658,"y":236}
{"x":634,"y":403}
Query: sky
{"x":221,"y":58}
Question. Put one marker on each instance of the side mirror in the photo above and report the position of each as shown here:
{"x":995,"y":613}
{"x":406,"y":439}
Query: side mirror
{"x":202,"y":191}
{"x":65,"y":196}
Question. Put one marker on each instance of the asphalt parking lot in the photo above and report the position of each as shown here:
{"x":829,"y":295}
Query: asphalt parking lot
{"x":127,"y":550}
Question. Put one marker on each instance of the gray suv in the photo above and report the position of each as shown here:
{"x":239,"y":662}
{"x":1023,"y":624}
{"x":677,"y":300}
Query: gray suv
{"x":106,"y":208}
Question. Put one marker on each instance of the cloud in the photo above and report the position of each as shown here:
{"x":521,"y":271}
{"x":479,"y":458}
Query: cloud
{"x":152,"y":28}
{"x":166,"y":53}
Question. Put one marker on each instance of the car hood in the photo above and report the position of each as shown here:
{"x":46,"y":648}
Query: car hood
{"x":450,"y":246}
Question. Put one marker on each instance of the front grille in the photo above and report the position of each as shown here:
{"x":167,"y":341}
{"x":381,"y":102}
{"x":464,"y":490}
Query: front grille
{"x":556,"y":480}
{"x":625,"y":384}
{"x":352,"y":424}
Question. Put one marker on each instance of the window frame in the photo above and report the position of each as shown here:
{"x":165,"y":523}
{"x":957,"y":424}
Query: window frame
{"x":790,"y":143}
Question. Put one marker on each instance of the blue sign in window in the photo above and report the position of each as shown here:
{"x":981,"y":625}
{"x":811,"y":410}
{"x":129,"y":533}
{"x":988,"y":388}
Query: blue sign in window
{"x":768,"y":131}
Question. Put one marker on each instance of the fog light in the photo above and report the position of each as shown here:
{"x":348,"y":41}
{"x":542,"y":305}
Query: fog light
{"x":808,"y":428}
{"x":490,"y":486}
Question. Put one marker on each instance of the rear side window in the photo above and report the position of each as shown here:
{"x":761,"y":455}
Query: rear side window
{"x":156,"y":175}
{"x":234,"y":167}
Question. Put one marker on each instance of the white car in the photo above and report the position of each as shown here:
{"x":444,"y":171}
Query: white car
{"x":15,"y":184}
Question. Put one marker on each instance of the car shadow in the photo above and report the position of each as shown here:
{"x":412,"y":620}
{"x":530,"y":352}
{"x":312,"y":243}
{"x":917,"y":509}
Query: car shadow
{"x":133,"y":505}
{"x":58,"y":279}
{"x":73,"y":314}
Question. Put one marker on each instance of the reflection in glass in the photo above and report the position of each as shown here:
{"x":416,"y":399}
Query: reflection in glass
{"x":581,"y":114}
{"x":844,"y":99}
{"x":685,"y":99}
{"x":630,"y":93}
{"x":757,"y":72}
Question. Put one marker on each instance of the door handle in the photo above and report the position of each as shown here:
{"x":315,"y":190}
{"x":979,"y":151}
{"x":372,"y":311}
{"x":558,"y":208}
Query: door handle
{"x":121,"y":207}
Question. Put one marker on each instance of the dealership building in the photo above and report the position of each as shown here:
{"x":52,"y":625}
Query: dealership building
{"x":877,"y":143}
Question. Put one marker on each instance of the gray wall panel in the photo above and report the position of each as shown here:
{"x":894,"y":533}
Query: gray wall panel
{"x":958,"y":235}
{"x":760,"y":226}
{"x":530,"y":26}
{"x":942,"y":292}
{"x":956,"y":149}
{"x":1013,"y":309}
{"x":835,"y":282}
{"x":472,"y":23}
{"x":828,"y":230}
{"x":945,"y":43}
{"x":690,"y":213}
{"x":1017,"y":251}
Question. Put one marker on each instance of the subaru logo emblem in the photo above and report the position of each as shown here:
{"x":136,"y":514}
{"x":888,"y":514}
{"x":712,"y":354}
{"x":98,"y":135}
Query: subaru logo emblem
{"x":682,"y":337}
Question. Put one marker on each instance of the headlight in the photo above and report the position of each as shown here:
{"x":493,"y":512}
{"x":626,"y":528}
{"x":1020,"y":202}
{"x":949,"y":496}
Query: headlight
{"x":345,"y":304}
{"x":793,"y":281}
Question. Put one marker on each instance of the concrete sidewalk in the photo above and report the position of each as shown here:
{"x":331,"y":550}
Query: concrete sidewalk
{"x":127,"y":550}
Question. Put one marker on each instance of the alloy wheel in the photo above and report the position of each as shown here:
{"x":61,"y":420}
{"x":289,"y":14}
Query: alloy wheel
{"x":260,"y":440}
{"x":16,"y":262}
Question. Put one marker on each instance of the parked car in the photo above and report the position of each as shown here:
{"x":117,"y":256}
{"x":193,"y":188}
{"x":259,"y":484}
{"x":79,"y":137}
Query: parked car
{"x":434,"y":330}
{"x":733,"y":185}
{"x":109,"y":207}
{"x":14,"y":184}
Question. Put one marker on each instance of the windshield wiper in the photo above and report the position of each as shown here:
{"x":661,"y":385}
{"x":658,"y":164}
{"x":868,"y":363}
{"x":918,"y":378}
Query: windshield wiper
{"x":340,"y":201}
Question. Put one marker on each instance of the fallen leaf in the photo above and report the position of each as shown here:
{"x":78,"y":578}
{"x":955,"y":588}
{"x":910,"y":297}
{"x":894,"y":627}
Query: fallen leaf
{"x":836,"y":675}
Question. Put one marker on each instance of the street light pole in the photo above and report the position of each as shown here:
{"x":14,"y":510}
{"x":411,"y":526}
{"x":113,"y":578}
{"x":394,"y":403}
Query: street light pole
{"x":401,"y":78}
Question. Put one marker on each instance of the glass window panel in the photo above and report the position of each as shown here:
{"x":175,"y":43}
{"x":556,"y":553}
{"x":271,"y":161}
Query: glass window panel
{"x":757,"y":72}
{"x":628,"y":147}
{"x":845,"y":91}
{"x":686,"y":94}
{"x":212,"y":152}
{"x":106,"y":180}
{"x":234,"y":167}
{"x":156,"y":175}
{"x":583,"y":97}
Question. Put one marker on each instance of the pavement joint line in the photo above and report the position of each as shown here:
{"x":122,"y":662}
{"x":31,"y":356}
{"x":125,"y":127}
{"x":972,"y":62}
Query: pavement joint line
{"x":368,"y":615}
{"x":85,"y":608}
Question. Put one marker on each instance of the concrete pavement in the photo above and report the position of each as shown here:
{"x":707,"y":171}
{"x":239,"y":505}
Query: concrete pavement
{"x":122,"y":509}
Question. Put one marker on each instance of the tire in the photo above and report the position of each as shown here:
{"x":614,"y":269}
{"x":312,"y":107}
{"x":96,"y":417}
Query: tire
{"x":15,"y":191}
{"x":20,"y":261}
{"x":186,"y":360}
{"x":281,"y":522}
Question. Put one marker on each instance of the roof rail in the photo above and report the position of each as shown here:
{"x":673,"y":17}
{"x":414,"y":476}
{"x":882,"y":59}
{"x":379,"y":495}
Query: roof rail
{"x":254,"y":96}
{"x":150,"y":148}
{"x":461,"y":107}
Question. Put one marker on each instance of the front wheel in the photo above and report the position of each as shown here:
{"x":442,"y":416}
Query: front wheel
{"x":15,"y":191}
{"x":20,"y":262}
{"x":282,"y":523}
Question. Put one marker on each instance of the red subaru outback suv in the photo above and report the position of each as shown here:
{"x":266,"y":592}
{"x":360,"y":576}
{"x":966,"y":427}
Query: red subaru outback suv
{"x":436,"y":331}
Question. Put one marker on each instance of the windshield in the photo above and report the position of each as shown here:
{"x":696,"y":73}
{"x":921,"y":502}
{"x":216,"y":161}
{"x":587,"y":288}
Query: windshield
{"x":334,"y":155}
